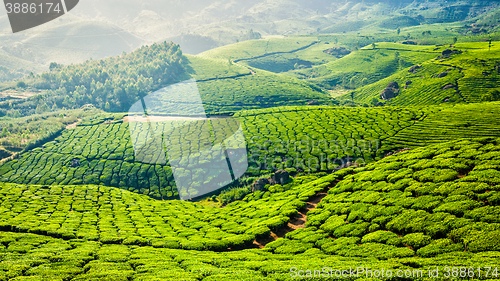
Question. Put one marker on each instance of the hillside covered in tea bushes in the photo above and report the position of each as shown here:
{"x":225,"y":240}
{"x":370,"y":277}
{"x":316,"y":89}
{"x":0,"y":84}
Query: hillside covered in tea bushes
{"x":370,"y":130}
{"x":429,"y":207}
{"x":307,"y":139}
{"x":467,"y":73}
{"x":425,"y":202}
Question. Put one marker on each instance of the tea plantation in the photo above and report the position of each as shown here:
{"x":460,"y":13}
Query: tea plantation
{"x":105,"y":154}
{"x":368,"y":65}
{"x":294,"y":138}
{"x":258,"y":48}
{"x":431,"y":207}
{"x":114,"y":84}
{"x":425,"y":202}
{"x":226,"y":86}
{"x":471,"y":74}
{"x":113,"y":215}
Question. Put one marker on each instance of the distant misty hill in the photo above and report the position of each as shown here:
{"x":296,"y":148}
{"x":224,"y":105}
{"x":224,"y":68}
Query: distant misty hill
{"x":227,"y":21}
{"x":97,"y":29}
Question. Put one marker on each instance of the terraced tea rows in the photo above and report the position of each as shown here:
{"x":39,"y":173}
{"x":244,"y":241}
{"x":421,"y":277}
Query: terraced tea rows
{"x":449,"y":123}
{"x":471,"y":76}
{"x":103,"y":154}
{"x":293,"y":138}
{"x":320,"y":138}
{"x":428,"y":208}
{"x":35,"y":257}
{"x":112,"y":215}
{"x":426,"y":202}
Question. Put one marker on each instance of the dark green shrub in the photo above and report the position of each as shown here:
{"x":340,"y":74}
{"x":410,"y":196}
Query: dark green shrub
{"x":259,"y":231}
{"x":416,"y":240}
{"x":338,"y":245}
{"x":382,"y":236}
{"x":438,"y":247}
{"x":293,"y":247}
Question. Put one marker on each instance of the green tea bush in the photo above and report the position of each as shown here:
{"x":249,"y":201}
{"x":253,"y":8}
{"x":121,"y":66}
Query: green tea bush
{"x":293,"y":247}
{"x":439,"y":246}
{"x":381,"y":236}
{"x":416,"y":240}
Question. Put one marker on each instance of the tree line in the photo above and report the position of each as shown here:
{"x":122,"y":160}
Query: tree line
{"x":112,"y":84}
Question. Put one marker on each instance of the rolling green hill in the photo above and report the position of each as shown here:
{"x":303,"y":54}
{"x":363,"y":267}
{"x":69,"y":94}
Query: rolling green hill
{"x":223,"y":85}
{"x":469,"y":76}
{"x":431,"y":207}
{"x":293,"y":138}
{"x":13,"y":68}
{"x":424,"y":203}
{"x":227,"y":86}
{"x":372,"y":64}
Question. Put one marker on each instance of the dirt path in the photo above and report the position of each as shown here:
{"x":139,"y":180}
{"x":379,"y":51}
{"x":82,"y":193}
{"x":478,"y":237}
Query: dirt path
{"x":153,"y":118}
{"x":278,"y":53}
{"x":72,"y":126}
{"x":16,"y":95}
{"x":299,"y":221}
